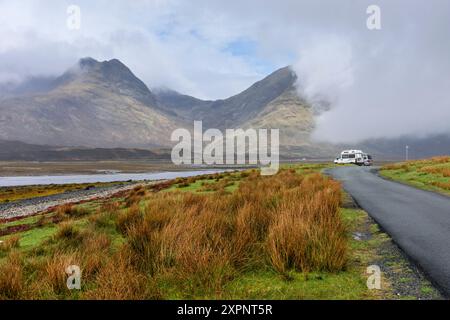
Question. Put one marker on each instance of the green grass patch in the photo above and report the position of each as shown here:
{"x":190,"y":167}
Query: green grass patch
{"x":33,"y":238}
{"x":24,"y":221}
{"x":312,"y":286}
{"x":429,"y":174}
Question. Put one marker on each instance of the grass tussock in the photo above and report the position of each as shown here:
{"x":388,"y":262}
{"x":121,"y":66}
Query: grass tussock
{"x":120,"y":280}
{"x":10,"y":243}
{"x":52,"y":277}
{"x":67,"y":231}
{"x":217,"y":186}
{"x":11,"y":277}
{"x":128,"y":218}
{"x":442,"y":185}
{"x":71,"y":211}
{"x":135,"y":196}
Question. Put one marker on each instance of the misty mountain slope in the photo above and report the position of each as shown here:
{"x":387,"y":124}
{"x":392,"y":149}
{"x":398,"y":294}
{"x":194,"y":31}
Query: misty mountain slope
{"x":97,"y":104}
{"x":16,"y":150}
{"x":184,"y":106}
{"x":270,"y":103}
{"x":289,"y":114}
{"x":103,"y":104}
{"x":235,"y":111}
{"x":245,"y":106}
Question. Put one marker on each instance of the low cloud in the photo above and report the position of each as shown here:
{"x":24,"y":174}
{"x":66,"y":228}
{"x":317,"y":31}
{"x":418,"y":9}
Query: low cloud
{"x":381,"y":83}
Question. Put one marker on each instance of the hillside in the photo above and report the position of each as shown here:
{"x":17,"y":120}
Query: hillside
{"x":270,"y":103}
{"x":94,"y":104}
{"x":16,"y":150}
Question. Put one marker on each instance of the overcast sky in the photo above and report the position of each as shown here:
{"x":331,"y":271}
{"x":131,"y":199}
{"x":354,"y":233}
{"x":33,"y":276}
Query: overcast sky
{"x":386,"y":82}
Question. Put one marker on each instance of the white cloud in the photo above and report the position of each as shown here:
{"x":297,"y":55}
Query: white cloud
{"x":381,"y":83}
{"x":325,"y":68}
{"x":386,"y":83}
{"x":159,"y":40}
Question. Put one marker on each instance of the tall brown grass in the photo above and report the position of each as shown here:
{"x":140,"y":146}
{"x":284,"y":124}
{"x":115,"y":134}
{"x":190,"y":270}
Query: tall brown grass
{"x":126,"y":219}
{"x":444,"y":171}
{"x":72,"y":211}
{"x":198,"y":242}
{"x":309,"y":234}
{"x":10,"y":243}
{"x":282,"y":222}
{"x":432,"y":165}
{"x":442,"y":185}
{"x":11,"y":277}
{"x":120,"y":280}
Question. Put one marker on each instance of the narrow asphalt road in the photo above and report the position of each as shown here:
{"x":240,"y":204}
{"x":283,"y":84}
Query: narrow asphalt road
{"x":418,"y":221}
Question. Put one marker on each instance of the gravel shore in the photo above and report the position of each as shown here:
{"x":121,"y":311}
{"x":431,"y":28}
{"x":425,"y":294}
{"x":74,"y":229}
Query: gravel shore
{"x":32,"y":206}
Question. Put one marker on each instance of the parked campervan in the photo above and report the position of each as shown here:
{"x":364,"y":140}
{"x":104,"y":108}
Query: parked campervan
{"x":352,"y":157}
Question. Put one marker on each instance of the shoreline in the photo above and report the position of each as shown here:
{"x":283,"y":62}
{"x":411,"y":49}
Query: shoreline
{"x":60,"y":180}
{"x":31,"y":169}
{"x":30,"y":207}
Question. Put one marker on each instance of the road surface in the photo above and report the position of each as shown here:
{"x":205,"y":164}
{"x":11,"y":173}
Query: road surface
{"x":418,"y":221}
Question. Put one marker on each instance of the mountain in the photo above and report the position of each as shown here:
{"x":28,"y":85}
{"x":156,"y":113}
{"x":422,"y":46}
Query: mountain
{"x":237,"y":110}
{"x":94,"y":104}
{"x":272,"y":102}
{"x":103,"y":105}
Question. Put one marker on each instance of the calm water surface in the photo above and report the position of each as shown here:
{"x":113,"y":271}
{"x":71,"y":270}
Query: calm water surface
{"x":93,"y":178}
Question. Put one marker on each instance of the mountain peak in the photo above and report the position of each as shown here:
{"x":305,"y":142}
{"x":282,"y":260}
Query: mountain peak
{"x":113,"y":66}
{"x":112,"y":74}
{"x":284,"y":76}
{"x":87,"y":63}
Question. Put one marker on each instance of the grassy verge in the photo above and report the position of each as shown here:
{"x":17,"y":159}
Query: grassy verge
{"x":233,"y":235}
{"x":429,"y":174}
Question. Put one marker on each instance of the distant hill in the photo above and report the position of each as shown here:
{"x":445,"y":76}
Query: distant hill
{"x":19,"y":151}
{"x":424,"y":147}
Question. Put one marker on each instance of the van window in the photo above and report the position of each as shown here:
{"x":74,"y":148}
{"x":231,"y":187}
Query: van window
{"x":351,"y":156}
{"x":345,"y":156}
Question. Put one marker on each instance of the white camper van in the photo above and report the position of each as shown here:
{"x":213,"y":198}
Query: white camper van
{"x":351,"y":157}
